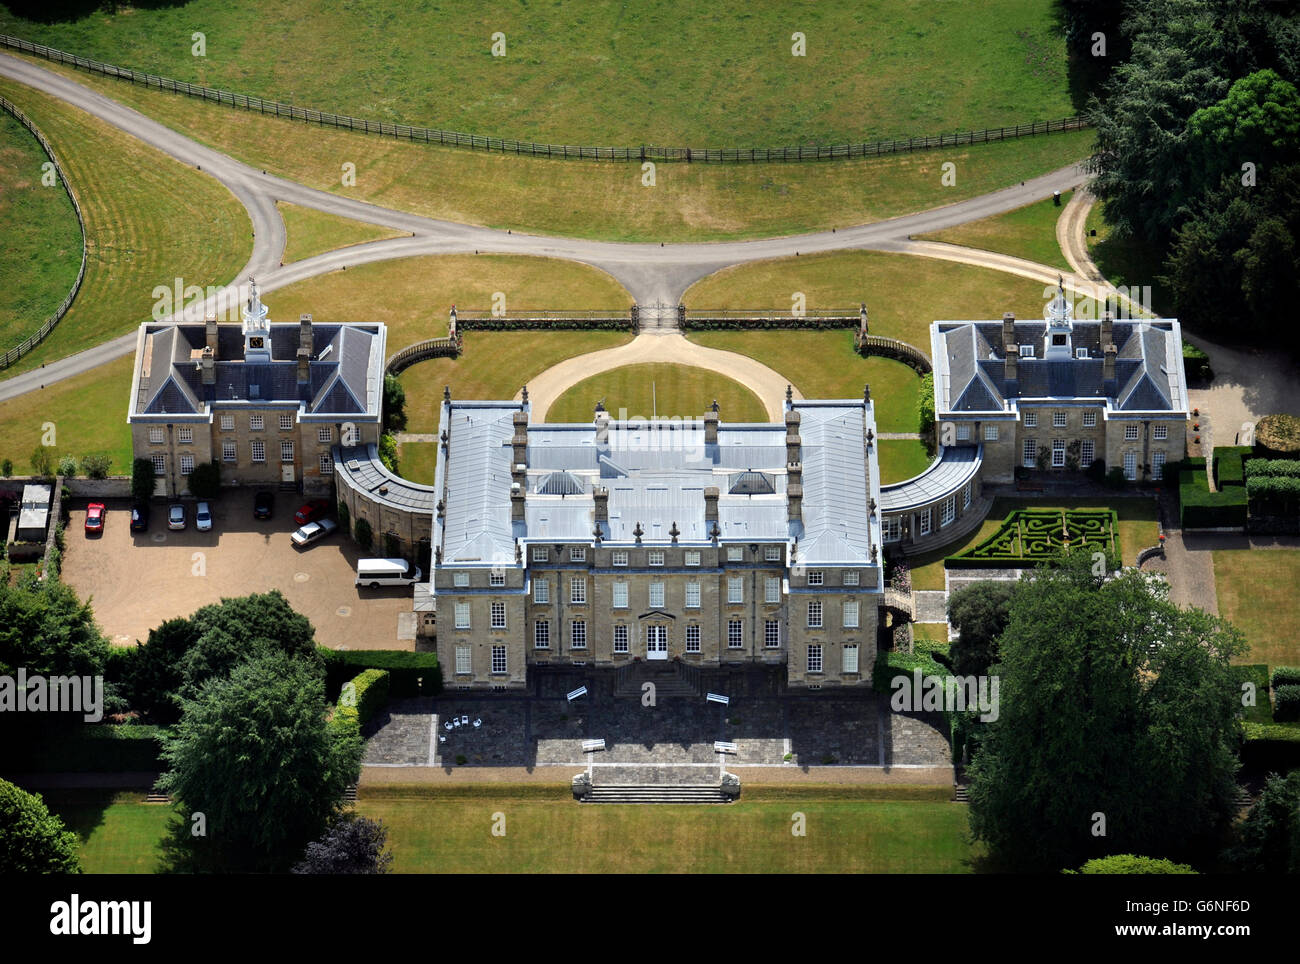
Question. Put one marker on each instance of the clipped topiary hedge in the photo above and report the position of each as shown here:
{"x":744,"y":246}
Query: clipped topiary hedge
{"x":1229,"y":464}
{"x":1030,"y":536}
{"x":365,"y":695}
{"x":1257,"y":468}
{"x":1286,"y":703}
{"x":1270,"y":747}
{"x":1196,"y":363}
{"x":409,"y":674}
{"x":1286,"y":676}
{"x":1201,"y":508}
{"x":1278,"y":435}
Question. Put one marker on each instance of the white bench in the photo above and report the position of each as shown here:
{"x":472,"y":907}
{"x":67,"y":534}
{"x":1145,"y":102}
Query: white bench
{"x":591,"y":746}
{"x":580,"y":691}
{"x":718,"y":698}
{"x":722,"y":746}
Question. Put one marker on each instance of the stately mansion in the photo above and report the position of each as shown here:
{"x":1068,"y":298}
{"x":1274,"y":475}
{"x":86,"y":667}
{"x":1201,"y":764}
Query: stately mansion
{"x":698,"y":540}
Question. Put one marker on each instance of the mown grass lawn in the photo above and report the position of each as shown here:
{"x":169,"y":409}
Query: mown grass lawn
{"x":42,"y":240}
{"x":453,"y":835}
{"x":599,"y":199}
{"x":901,"y":459}
{"x":149,"y":220}
{"x":601,"y":72}
{"x":418,"y":461}
{"x":903,"y":293}
{"x":119,"y":832}
{"x":310,"y":232}
{"x":643,"y":391}
{"x":1257,"y":593}
{"x":495,"y":365}
{"x":1028,"y":232}
{"x":88,"y":413}
{"x":413,"y":296}
{"x":823,"y":364}
{"x":1137,"y":530}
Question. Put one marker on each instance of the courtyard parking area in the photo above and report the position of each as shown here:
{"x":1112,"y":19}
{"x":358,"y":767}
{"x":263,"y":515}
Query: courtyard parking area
{"x":136,"y":580}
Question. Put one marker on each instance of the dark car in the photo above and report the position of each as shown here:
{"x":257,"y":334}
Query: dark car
{"x":311,"y":511}
{"x":263,"y":504}
{"x":139,"y":517}
{"x":95,"y":518}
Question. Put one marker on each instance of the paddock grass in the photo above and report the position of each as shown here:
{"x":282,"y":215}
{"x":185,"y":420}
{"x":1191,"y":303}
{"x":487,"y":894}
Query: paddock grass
{"x":88,"y":414}
{"x":42,"y":240}
{"x":496,"y":364}
{"x":663,"y":389}
{"x":413,"y":296}
{"x":903,"y":293}
{"x":149,"y":220}
{"x":1028,"y":232}
{"x":601,"y":72}
{"x":1137,"y":530}
{"x":901,"y":459}
{"x":823,"y":364}
{"x":600,"y":199}
{"x":1256,"y":591}
{"x":453,"y":835}
{"x":310,"y":232}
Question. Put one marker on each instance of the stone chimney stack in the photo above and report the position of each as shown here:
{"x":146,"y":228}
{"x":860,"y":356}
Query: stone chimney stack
{"x":793,"y":444}
{"x":519,"y":442}
{"x":1107,"y":330}
{"x":304,"y":366}
{"x":211,"y":332}
{"x":516,"y":502}
{"x":1012,"y":352}
{"x":794,"y":501}
{"x":711,"y":428}
{"x":600,"y":496}
{"x":304,"y":332}
{"x":1108,"y":384}
{"x":208,"y":366}
{"x":711,"y":503}
{"x":794,"y":473}
{"x":1009,"y":333}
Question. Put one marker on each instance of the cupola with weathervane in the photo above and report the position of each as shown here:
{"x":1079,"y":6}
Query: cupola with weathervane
{"x":1059,"y":314}
{"x":257,"y":330}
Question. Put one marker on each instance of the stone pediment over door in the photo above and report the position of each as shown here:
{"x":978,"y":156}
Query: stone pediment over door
{"x":656,"y":614}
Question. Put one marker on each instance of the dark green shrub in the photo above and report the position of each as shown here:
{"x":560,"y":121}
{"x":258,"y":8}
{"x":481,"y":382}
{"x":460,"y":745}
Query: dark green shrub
{"x":409,"y":674}
{"x":1270,"y":747}
{"x":1286,"y":676}
{"x":1196,"y":363}
{"x":1097,"y":471}
{"x":1286,"y":703}
{"x":142,"y":480}
{"x":1229,"y":465}
{"x":67,"y":466}
{"x":96,"y":466}
{"x":1115,"y":478}
{"x":1272,"y":467}
{"x":7,"y":468}
{"x":364,"y":535}
{"x":345,"y":517}
{"x":205,"y":480}
{"x":365,"y":694}
{"x":392,"y":544}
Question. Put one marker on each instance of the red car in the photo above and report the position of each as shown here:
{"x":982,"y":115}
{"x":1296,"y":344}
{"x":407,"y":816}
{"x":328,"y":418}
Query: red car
{"x":95,"y":518}
{"x":313,"y":510}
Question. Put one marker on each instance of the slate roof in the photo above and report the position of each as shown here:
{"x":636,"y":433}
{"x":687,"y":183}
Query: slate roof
{"x":970,"y":370}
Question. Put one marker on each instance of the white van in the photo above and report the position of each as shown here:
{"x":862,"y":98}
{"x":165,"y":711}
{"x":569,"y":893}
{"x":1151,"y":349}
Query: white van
{"x":386,"y":572}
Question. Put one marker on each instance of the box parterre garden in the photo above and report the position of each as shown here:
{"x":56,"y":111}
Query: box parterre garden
{"x":1030,"y":536}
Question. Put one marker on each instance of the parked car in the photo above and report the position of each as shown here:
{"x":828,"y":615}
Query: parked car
{"x":176,"y":516}
{"x":313,"y":532}
{"x":311,"y":511}
{"x":263,"y":504}
{"x":140,"y":517}
{"x":95,"y":513}
{"x":203,"y":517}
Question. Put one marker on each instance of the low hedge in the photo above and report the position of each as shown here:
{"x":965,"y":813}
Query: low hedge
{"x":1272,"y":467}
{"x":101,"y":748}
{"x":1286,"y":675}
{"x":1274,"y":494}
{"x":1257,"y":675}
{"x":409,"y":674}
{"x":1196,"y":363}
{"x":1270,"y":747}
{"x":1286,"y":703}
{"x":544,"y":324}
{"x":773,"y":322}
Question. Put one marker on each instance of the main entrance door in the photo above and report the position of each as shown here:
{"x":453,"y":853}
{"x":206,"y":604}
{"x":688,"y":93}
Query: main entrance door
{"x":656,"y":642}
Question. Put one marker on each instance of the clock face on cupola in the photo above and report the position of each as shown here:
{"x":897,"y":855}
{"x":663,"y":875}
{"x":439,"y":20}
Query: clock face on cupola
{"x":257,"y":329}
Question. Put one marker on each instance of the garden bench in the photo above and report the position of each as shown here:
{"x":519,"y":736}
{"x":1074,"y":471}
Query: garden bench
{"x":722,"y":746}
{"x":591,"y":746}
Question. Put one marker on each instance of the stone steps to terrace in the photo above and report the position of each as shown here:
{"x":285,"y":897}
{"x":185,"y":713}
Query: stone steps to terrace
{"x":656,"y":794}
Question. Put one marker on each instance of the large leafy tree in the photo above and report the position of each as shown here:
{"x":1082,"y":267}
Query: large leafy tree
{"x":353,"y":845}
{"x":1117,"y":727}
{"x":33,"y":840}
{"x":255,"y":754}
{"x":1269,"y":837}
{"x":237,"y":628}
{"x":47,"y":629}
{"x":979,"y":612}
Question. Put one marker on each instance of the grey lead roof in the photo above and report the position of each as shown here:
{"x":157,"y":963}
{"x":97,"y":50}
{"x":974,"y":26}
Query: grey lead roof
{"x":955,"y":466}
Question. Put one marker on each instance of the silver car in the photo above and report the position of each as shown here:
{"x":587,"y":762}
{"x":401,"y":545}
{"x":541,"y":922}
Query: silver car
{"x":203,"y":517}
{"x":313,"y":531}
{"x":176,"y":516}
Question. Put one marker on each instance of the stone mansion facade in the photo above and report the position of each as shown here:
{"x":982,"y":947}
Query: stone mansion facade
{"x":698,"y":540}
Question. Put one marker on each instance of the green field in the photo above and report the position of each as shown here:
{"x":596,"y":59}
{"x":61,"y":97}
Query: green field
{"x":42,"y":246}
{"x":901,"y":459}
{"x":413,"y":296}
{"x":1028,"y":232}
{"x":451,"y":834}
{"x":149,"y":220}
{"x":496,"y":364}
{"x":1257,"y":593}
{"x":601,"y":72}
{"x":903,"y":293}
{"x":88,"y":413}
{"x":599,"y":199}
{"x":1137,"y":530}
{"x":311,"y":232}
{"x":644,"y":391}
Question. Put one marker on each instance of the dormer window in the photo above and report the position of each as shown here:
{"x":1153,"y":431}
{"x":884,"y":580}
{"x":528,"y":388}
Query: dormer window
{"x":1081,"y":353}
{"x":1026,"y":351}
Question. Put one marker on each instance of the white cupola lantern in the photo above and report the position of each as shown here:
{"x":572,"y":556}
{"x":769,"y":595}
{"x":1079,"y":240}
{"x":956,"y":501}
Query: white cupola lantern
{"x":1059,"y":314}
{"x":257,"y":329}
